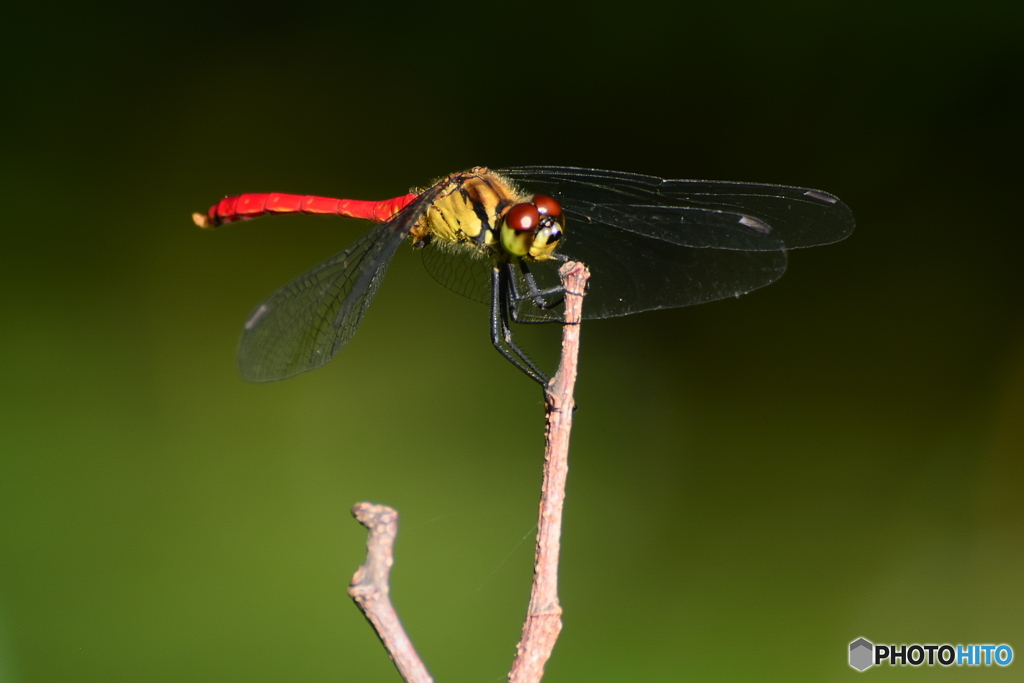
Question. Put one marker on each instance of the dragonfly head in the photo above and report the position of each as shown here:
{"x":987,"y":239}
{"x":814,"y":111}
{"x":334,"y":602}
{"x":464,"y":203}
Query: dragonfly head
{"x":533,"y":229}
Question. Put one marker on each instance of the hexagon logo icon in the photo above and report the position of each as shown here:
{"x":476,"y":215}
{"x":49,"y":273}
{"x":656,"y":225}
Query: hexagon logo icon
{"x":861,"y":653}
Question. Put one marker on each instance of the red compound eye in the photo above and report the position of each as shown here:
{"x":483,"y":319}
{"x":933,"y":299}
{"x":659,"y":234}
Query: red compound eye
{"x":522,"y":217}
{"x":547,"y":206}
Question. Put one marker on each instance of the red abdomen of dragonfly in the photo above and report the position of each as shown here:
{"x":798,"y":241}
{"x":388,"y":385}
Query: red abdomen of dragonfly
{"x":245,"y":207}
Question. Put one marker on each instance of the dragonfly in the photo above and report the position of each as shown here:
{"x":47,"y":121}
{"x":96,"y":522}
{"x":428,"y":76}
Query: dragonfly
{"x":499,"y":236}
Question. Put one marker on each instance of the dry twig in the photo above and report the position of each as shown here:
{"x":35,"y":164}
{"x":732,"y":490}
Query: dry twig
{"x":544,"y":618}
{"x":370,"y":590}
{"x":369,"y":586}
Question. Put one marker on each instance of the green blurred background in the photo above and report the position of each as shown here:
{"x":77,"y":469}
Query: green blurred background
{"x":755,"y":483}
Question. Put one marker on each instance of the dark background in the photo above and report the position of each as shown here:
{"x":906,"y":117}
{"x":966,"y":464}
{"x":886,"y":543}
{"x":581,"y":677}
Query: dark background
{"x":755,"y":483}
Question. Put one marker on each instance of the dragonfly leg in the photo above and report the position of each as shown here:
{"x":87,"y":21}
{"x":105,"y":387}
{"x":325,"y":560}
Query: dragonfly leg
{"x":501,"y":333}
{"x":532,"y":293}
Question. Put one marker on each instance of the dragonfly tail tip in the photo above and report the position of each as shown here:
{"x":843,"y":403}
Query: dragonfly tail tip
{"x":201,"y":220}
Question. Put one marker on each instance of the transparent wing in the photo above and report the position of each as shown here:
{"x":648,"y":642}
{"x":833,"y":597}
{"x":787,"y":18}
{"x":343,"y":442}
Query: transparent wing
{"x":632,"y":274}
{"x":653,"y":243}
{"x":463,"y":271}
{"x":694,"y":213}
{"x":304,"y":323}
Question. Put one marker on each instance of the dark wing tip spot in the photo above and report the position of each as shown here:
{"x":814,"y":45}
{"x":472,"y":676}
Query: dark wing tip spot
{"x":756,"y":224}
{"x":821,"y":196}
